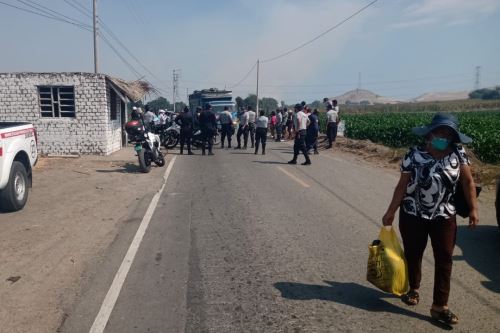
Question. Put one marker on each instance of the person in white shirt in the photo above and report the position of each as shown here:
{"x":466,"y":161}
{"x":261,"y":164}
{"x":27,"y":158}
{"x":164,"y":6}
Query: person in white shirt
{"x":261,"y":132}
{"x":226,"y":121}
{"x":251,"y":125}
{"x":299,"y":145}
{"x":163,"y":117}
{"x":332,"y":119}
{"x":243,"y":129}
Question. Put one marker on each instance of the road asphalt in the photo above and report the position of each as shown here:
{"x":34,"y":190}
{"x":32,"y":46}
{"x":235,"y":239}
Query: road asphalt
{"x":247,"y":243}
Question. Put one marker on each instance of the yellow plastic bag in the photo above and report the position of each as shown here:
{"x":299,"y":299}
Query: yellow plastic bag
{"x":387,"y":268}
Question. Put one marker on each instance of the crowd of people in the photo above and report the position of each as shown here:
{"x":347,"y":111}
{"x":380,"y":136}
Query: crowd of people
{"x":301,"y":124}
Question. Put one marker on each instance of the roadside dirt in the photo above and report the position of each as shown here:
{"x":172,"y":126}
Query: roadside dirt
{"x":75,"y":210}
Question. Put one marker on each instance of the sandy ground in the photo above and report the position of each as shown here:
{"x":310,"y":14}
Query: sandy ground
{"x":74,"y":211}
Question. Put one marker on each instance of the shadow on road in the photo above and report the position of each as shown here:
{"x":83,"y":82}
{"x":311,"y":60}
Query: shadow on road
{"x":269,"y":162}
{"x":481,"y":248}
{"x":126,"y":168}
{"x":242,"y":152}
{"x":351,"y":294}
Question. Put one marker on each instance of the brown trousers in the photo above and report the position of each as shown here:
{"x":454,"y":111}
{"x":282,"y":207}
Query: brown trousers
{"x":443,"y":232}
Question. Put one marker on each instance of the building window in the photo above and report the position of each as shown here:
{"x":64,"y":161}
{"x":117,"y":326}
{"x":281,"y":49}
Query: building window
{"x":57,"y":102}
{"x":113,"y":105}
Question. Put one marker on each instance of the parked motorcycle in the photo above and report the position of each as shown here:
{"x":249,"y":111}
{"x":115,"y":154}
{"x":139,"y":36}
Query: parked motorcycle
{"x":169,"y":134}
{"x":147,"y":145}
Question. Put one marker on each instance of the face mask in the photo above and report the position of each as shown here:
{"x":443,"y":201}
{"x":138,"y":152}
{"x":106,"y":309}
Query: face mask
{"x":439,"y":143}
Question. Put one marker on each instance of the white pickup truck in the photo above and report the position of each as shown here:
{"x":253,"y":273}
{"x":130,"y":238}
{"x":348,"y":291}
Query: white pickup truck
{"x":18,"y":154}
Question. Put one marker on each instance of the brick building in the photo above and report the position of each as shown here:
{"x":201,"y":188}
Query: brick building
{"x":74,"y":113}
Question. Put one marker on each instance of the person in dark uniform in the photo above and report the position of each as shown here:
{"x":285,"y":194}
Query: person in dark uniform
{"x":226,"y":122}
{"x":185,"y":121}
{"x":242,"y":129}
{"x":208,"y":125}
{"x":312,"y":132}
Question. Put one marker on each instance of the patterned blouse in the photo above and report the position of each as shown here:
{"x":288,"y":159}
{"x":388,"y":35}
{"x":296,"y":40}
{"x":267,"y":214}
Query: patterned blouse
{"x":429,"y":194}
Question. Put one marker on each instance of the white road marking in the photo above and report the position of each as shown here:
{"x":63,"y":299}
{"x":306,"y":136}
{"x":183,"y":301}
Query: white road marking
{"x":109,"y":302}
{"x":298,"y":180}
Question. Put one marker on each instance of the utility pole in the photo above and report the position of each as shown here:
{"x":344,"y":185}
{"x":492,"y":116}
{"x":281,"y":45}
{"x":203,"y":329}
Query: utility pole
{"x":477,"y":83}
{"x":257,"y":93}
{"x":96,"y":60}
{"x":176,"y":75}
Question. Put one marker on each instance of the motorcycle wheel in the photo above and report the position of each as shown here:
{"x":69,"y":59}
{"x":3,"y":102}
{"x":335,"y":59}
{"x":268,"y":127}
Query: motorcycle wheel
{"x":161,"y":160}
{"x":171,"y":140}
{"x":144,"y":160}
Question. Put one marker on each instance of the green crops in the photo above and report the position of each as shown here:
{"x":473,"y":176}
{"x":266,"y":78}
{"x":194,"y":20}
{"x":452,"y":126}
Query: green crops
{"x":393,"y":129}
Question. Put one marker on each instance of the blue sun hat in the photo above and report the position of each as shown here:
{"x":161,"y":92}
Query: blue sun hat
{"x":439,"y":120}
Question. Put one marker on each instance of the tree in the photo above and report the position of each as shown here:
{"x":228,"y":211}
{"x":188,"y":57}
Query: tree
{"x":268,"y":104}
{"x":160,"y":103}
{"x":251,"y":101}
{"x":240,"y":103}
{"x":179,"y":106}
{"x":485,"y":93}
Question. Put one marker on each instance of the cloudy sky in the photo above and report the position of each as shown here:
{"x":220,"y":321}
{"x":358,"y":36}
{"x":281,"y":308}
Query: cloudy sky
{"x":402,"y":48}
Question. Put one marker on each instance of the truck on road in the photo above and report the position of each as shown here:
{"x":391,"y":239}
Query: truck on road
{"x":218,"y":99}
{"x":18,"y":155}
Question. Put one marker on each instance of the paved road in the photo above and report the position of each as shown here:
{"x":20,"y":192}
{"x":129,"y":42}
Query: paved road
{"x":245,"y":243}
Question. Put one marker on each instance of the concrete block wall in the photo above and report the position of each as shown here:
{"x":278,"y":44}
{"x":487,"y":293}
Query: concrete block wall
{"x":114,"y":130}
{"x":90,"y":132}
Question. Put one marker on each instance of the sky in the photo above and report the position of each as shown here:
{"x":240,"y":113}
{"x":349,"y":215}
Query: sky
{"x":395,"y":48}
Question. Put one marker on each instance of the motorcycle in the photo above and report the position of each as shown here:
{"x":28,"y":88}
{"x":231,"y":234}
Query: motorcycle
{"x":169,"y":134}
{"x":197,"y":139}
{"x":147,"y":145}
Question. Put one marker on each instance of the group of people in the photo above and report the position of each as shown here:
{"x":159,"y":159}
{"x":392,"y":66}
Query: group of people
{"x":302,"y":124}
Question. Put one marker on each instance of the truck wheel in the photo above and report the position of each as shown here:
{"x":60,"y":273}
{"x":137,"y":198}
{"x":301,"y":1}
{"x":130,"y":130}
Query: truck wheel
{"x":14,"y":196}
{"x":144,"y":161}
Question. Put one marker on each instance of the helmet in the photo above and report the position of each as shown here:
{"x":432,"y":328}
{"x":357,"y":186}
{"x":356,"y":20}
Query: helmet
{"x":134,"y":108}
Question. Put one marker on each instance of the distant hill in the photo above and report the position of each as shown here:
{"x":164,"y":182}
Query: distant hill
{"x":362,"y":96}
{"x":441,"y":96}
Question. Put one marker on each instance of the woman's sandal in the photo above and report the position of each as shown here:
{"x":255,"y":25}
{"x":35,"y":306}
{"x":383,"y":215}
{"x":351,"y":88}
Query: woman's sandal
{"x":411,"y":298}
{"x":445,"y":316}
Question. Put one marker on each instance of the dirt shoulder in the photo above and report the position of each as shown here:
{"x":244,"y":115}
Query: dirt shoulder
{"x":74,"y":211}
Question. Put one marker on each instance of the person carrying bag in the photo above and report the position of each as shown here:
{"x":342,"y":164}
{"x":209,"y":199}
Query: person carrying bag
{"x":425,"y":196}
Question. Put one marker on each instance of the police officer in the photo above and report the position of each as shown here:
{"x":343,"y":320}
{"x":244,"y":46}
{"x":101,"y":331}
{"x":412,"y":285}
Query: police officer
{"x":261,"y":132}
{"x":226,"y":121}
{"x":185,"y":121}
{"x":208,"y":126}
{"x":243,"y":129}
{"x":299,"y":145}
{"x":251,"y":125}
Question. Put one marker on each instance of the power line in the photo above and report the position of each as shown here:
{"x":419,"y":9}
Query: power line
{"x":49,"y":11}
{"x":115,"y":38}
{"x":81,"y":26}
{"x":244,"y":78}
{"x":319,"y":36}
{"x":86,"y":27}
